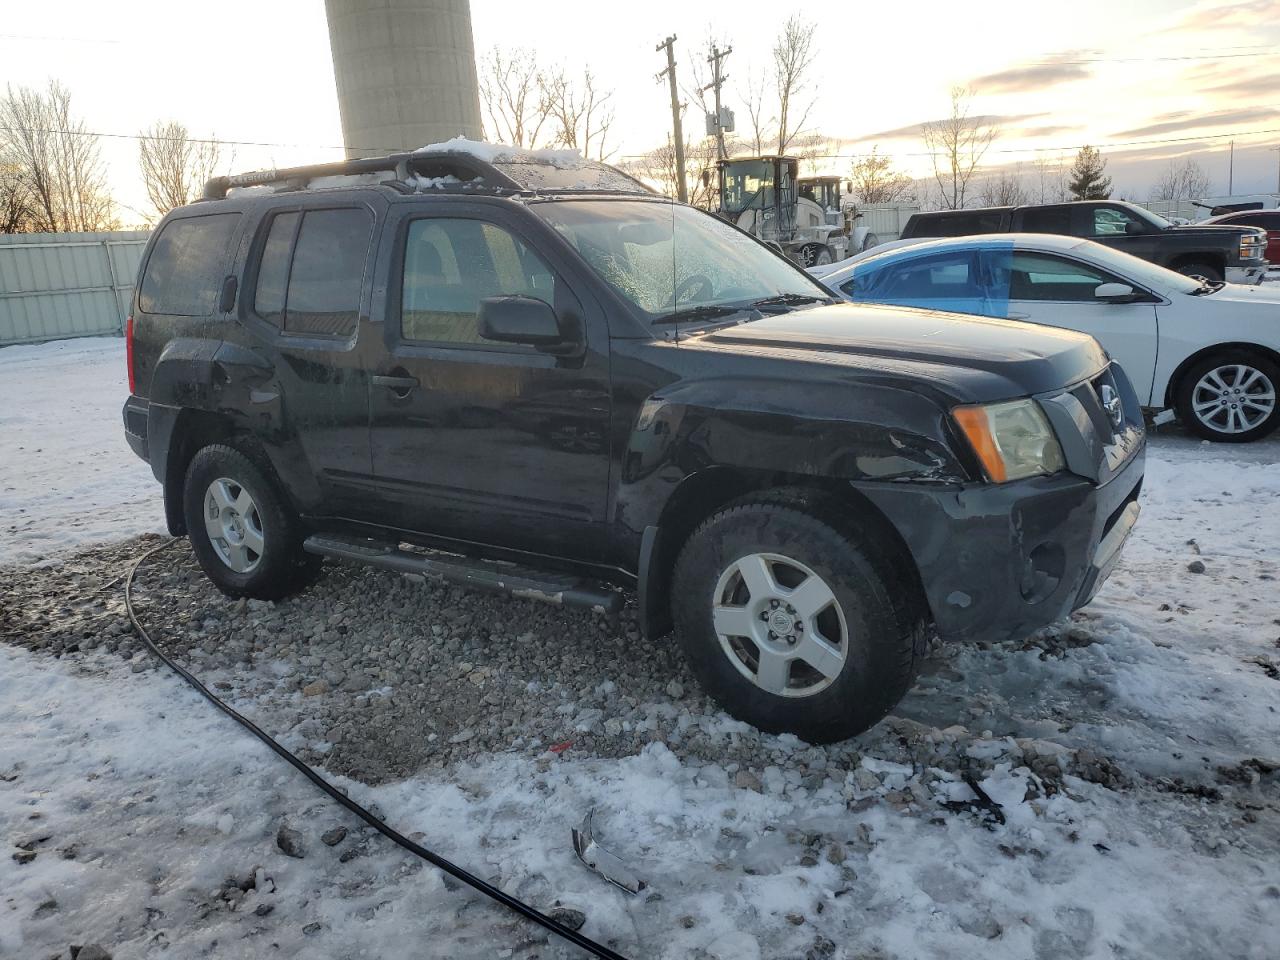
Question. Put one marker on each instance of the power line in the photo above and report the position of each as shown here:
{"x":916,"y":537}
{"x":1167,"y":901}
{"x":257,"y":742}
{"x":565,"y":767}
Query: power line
{"x":1074,"y":146}
{"x":213,"y":140}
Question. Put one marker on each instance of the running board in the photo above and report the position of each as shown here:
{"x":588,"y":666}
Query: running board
{"x":491,"y":575}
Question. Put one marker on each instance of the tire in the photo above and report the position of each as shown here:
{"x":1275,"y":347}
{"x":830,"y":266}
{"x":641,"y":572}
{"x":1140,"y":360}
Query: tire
{"x":781,"y":543}
{"x":814,"y":254}
{"x":871,"y":241}
{"x":1206,"y":270}
{"x":259,"y":553}
{"x":1231,"y":397}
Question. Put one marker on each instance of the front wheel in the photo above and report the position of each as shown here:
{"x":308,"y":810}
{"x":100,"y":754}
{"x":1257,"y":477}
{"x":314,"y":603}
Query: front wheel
{"x":814,"y":255}
{"x":243,"y":531}
{"x":1206,"y":270}
{"x":1230,"y":397}
{"x":791,"y":624}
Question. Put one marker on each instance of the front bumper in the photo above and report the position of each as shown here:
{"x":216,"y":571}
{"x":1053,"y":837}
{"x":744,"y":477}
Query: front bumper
{"x":1248,"y":275}
{"x":999,"y":561}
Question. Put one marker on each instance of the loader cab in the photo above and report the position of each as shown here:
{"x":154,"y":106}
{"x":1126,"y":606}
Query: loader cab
{"x":759,"y":195}
{"x":824,"y":193}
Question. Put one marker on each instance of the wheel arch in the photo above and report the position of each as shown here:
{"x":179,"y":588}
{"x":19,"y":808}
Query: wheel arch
{"x":1215,"y":260}
{"x":1175,"y":380}
{"x":702,"y":494}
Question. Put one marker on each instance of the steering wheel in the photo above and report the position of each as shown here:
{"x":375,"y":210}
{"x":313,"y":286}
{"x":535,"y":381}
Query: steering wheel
{"x":698,"y":282}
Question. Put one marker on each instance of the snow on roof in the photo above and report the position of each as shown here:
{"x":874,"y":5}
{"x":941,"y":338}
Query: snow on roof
{"x":503,"y":153}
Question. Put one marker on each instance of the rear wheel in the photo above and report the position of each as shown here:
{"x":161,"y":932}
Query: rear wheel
{"x":1230,"y":397}
{"x":1206,"y":270}
{"x":871,"y":241}
{"x":791,"y":624}
{"x":242,"y":529}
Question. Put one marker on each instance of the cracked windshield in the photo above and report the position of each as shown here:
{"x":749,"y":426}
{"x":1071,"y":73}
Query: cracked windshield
{"x":671,"y":260}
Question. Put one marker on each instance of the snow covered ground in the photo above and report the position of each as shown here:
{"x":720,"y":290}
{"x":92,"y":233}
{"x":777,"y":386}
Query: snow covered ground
{"x":66,"y":475}
{"x":1134,"y":752}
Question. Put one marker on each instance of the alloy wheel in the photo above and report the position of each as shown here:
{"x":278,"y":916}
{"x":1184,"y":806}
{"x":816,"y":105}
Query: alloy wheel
{"x":1233,"y":398}
{"x":780,"y":625}
{"x":234,"y":525}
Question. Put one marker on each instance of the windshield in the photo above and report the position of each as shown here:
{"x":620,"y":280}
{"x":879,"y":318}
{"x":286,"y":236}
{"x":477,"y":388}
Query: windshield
{"x":748,"y":184}
{"x":664,"y":257}
{"x":1141,"y":271}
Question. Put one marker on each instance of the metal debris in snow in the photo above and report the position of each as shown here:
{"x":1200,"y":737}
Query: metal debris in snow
{"x":602,"y":861}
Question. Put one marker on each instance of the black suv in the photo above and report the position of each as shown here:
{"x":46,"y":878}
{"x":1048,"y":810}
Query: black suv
{"x":534,"y":376}
{"x":1235,"y":253}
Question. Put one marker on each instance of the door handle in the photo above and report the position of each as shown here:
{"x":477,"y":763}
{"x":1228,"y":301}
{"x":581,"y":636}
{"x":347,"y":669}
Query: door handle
{"x":402,"y":386}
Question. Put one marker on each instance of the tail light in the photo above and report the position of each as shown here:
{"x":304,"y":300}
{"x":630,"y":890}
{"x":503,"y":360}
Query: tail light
{"x":128,"y":353}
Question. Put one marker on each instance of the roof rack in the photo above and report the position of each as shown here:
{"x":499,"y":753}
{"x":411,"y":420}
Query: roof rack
{"x":445,"y":170}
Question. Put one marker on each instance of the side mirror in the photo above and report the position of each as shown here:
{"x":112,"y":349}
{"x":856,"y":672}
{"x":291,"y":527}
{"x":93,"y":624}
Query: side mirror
{"x":525,"y":320}
{"x":1114,"y":293}
{"x":1133,"y":228}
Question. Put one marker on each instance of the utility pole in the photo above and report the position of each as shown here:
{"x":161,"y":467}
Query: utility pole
{"x":682,"y":189}
{"x":1277,"y":153}
{"x":1231,"y":171}
{"x":717,"y":81}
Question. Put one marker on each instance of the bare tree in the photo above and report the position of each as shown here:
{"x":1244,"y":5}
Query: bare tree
{"x":56,"y":159}
{"x":957,"y":145}
{"x":875,"y":181}
{"x":175,"y":167}
{"x":512,"y":88}
{"x":1003,"y":188}
{"x":15,"y":201}
{"x":658,"y":167}
{"x":793,"y":57}
{"x":1182,"y":181}
{"x":754,"y":101}
{"x":1050,"y":183}
{"x":810,"y":149}
{"x":582,"y":117}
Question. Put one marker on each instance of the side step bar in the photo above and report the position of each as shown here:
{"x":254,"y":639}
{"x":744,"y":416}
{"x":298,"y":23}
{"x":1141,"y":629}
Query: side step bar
{"x":491,"y":575}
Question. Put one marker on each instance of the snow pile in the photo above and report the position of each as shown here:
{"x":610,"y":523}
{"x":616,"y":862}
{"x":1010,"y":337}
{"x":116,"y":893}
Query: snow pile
{"x":67,"y":476}
{"x":502,"y":153}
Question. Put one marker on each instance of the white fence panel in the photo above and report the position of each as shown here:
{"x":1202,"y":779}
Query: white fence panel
{"x":58,"y":285}
{"x":886,"y":220}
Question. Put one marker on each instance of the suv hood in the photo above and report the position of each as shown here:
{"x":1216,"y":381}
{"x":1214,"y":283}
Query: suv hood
{"x":986,"y":359}
{"x":1214,"y":229}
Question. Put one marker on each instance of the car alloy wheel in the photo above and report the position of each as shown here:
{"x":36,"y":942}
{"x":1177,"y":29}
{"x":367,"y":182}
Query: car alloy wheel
{"x":1233,"y":398}
{"x":780,"y":625}
{"x":234,"y":525}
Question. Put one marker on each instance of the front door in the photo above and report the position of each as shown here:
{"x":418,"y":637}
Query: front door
{"x":1059,"y":291}
{"x":482,"y":441}
{"x":1119,"y":228}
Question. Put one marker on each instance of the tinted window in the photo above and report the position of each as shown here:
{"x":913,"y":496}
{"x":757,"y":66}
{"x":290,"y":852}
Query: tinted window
{"x":186,"y":266}
{"x":273,"y":273}
{"x":958,"y":224}
{"x":323,"y":296}
{"x":1036,"y":276}
{"x":950,"y":276}
{"x":450,"y":265}
{"x":1047,"y":220}
{"x":1270,"y":221}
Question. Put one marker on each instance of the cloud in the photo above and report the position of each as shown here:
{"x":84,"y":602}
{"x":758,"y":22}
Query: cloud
{"x":1234,"y":14}
{"x":1044,"y":130}
{"x":1250,"y":86}
{"x":1188,"y":120}
{"x":914,"y":130}
{"x":1030,"y":77}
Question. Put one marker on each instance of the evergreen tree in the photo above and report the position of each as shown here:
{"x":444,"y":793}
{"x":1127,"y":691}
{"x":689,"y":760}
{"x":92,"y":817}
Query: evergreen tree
{"x":1087,"y":181}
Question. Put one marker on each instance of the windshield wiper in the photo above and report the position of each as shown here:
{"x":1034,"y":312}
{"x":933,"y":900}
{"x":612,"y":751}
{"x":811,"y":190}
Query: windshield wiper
{"x":705,"y":312}
{"x":786,"y":299}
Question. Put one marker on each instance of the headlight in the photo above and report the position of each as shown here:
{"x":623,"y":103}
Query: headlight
{"x":1251,"y":245}
{"x":1012,"y":440}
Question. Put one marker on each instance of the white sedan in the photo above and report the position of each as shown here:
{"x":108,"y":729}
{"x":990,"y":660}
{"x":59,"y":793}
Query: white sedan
{"x":1209,"y":350}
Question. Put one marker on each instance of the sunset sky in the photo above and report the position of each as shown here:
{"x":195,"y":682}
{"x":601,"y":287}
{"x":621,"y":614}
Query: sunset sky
{"x":1118,"y":75}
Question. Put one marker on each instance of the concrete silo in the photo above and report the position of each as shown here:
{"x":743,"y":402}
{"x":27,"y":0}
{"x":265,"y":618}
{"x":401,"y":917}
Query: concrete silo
{"x":406,"y":73}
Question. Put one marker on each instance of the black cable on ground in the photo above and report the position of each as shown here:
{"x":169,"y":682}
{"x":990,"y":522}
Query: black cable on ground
{"x":519,"y":906}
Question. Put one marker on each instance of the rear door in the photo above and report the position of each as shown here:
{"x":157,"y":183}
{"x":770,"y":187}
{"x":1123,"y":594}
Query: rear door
{"x":477,"y":440}
{"x":306,"y":298}
{"x":1058,"y":291}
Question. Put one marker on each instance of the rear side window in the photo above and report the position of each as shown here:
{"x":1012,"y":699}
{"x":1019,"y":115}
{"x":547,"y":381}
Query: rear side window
{"x":312,"y":271}
{"x":949,"y":276}
{"x":958,"y":224}
{"x":1047,"y":220}
{"x":186,"y":266}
